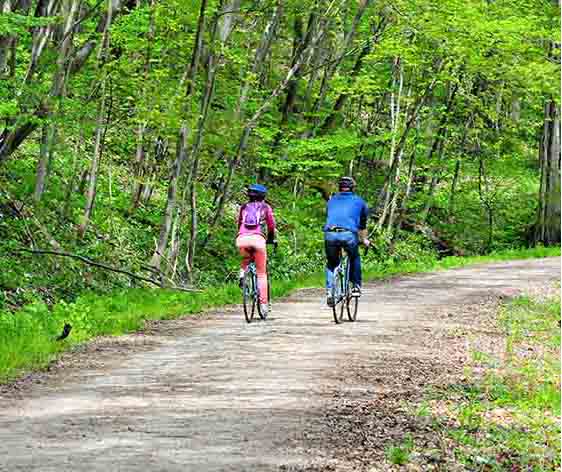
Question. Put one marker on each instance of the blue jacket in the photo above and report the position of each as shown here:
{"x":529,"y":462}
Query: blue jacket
{"x":347,"y":210}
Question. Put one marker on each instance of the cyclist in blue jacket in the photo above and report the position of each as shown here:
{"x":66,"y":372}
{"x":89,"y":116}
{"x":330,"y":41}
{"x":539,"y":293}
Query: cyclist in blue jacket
{"x":345,"y":228}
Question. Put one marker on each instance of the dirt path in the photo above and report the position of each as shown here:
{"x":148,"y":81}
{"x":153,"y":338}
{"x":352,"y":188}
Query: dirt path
{"x":216,"y":394}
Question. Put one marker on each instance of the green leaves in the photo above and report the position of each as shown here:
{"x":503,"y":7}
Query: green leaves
{"x":16,"y":24}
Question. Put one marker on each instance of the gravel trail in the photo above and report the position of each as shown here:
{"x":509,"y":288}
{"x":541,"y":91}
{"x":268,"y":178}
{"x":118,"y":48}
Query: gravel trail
{"x":213,"y":393}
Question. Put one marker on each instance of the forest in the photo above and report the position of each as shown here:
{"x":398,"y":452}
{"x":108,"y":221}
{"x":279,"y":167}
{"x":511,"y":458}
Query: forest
{"x":129,"y":130}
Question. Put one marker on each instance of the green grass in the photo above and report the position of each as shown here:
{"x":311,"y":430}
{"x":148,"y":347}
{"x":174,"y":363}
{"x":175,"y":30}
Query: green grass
{"x":429,"y":263}
{"x":27,"y":337}
{"x":510,"y":418}
{"x":400,"y":455}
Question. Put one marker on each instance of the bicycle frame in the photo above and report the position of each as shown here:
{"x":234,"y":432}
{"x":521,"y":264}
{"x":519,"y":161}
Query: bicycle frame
{"x":344,"y":269}
{"x":341,"y":293}
{"x":250,"y":292}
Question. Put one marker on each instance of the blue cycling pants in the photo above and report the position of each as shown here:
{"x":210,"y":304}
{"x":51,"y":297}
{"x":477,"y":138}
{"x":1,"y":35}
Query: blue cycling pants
{"x":334,"y":243}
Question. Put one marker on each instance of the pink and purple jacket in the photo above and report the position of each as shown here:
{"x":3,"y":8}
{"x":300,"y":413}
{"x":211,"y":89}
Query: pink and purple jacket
{"x":267,"y":218}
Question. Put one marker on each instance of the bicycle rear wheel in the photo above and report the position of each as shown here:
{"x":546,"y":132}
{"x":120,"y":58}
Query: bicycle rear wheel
{"x":249,"y":296}
{"x":337,"y":294}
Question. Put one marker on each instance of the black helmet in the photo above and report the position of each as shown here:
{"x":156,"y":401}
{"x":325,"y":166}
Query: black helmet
{"x":347,"y":183}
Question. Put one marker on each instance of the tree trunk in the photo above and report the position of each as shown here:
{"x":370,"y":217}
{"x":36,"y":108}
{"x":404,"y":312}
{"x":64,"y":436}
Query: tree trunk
{"x":181,"y":147}
{"x":411,"y":118}
{"x":408,"y":191}
{"x":139,"y":166}
{"x":434,"y":179}
{"x":94,"y":166}
{"x":207,"y":97}
{"x":74,"y":177}
{"x":293,"y":84}
{"x":69,"y":9}
{"x":330,"y":120}
{"x":438,"y":148}
{"x":45,"y":153}
{"x":395,"y":158}
{"x":250,"y":125}
{"x":5,"y":41}
{"x":261,"y":53}
{"x":181,"y":152}
{"x":139,"y":169}
{"x":340,"y":54}
{"x":547,"y":229}
{"x":453,"y":189}
{"x":13,"y":135}
{"x":101,"y":125}
{"x":484,"y":198}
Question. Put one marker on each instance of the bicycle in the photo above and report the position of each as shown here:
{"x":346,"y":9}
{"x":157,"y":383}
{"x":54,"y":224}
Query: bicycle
{"x":250,"y":292}
{"x":341,"y":291}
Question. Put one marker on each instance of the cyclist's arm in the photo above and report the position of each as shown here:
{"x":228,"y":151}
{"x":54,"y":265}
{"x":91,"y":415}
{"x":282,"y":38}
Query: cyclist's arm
{"x":363,"y":235}
{"x":270,"y":222}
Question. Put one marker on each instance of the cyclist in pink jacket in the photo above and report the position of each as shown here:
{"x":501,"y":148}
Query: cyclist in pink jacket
{"x":255,"y":222}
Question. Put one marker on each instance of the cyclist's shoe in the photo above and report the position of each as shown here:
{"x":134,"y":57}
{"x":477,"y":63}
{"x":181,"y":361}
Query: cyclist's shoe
{"x":329,"y":298}
{"x":264,"y":308}
{"x":356,"y":291}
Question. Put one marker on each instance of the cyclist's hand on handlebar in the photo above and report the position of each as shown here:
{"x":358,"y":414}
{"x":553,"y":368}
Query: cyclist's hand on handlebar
{"x":367,"y":245}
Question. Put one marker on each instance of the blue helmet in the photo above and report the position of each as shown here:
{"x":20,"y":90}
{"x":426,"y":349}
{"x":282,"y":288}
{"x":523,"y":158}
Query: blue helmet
{"x":257,"y":189}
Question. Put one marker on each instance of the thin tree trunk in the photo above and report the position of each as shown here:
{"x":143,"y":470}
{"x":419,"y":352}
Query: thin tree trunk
{"x":5,"y":41}
{"x":139,"y":167}
{"x":181,"y":147}
{"x":72,"y":183}
{"x":139,"y":170}
{"x":340,"y":54}
{"x":69,"y":9}
{"x":209,"y":90}
{"x":94,"y":166}
{"x":191,"y":71}
{"x":14,"y":134}
{"x":486,"y":203}
{"x":43,"y":162}
{"x":101,"y":124}
{"x":434,"y":180}
{"x":243,"y":143}
{"x":181,"y":152}
{"x":174,"y":246}
{"x":547,"y":229}
{"x":261,"y":53}
{"x":438,"y":148}
{"x":330,"y":120}
{"x":407,"y":193}
{"x":453,"y":189}
{"x":41,"y":36}
{"x":394,"y":159}
{"x":298,"y":43}
{"x":412,"y":117}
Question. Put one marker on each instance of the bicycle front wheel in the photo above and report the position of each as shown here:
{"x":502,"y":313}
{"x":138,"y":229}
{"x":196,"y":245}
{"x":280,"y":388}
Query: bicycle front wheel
{"x":249,"y":297}
{"x":352,"y":303}
{"x":263,"y":315}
